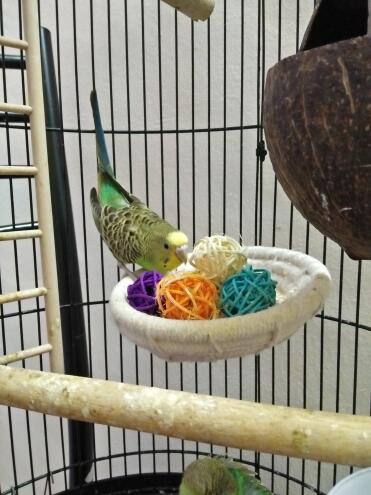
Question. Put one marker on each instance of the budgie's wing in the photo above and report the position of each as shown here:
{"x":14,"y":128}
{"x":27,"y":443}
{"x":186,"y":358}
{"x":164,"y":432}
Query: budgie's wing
{"x":112,"y":193}
{"x":246,"y":481}
{"x":126,"y":230}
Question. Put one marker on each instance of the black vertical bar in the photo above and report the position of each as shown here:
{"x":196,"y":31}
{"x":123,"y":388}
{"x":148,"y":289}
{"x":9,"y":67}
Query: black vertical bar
{"x":209,"y":174}
{"x":159,"y":45}
{"x":240,"y":363}
{"x":178,"y":171}
{"x":258,"y":184}
{"x":279,"y":47}
{"x":146,"y":171}
{"x":339,"y":342}
{"x":321,"y":365}
{"x":70,"y":296}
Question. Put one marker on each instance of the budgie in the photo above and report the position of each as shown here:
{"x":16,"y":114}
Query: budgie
{"x":219,"y":476}
{"x":132,"y":232}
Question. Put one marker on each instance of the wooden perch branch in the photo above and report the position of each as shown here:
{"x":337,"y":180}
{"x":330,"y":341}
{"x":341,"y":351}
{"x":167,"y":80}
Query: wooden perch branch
{"x":323,"y":436}
{"x":16,"y":235}
{"x":26,"y":353}
{"x":15,"y":171}
{"x":197,"y":10}
{"x":12,"y":107}
{"x":22,"y":294}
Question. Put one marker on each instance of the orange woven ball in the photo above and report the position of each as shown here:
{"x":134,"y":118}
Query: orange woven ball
{"x":189,"y":296}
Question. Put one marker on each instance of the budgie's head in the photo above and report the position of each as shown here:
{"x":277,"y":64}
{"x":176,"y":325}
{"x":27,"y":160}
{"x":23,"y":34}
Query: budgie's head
{"x":168,"y":250}
{"x":209,"y":476}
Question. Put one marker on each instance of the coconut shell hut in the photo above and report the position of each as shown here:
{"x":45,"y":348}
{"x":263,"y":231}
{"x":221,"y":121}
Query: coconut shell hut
{"x":317,"y":121}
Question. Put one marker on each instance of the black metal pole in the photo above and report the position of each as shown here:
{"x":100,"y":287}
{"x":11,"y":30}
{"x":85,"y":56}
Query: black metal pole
{"x":72,"y":316}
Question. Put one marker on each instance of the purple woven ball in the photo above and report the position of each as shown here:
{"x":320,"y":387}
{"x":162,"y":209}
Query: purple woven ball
{"x":142,"y":293}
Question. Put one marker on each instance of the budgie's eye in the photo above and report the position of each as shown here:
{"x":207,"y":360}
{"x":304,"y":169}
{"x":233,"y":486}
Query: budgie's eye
{"x":166,"y":246}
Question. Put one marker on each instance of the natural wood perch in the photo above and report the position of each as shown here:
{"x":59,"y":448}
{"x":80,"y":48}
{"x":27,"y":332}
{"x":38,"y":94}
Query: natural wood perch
{"x":16,"y":235}
{"x":22,"y":294}
{"x":197,"y":10}
{"x":17,"y":171}
{"x":322,"y":436}
{"x":25,"y":354}
{"x":12,"y":107}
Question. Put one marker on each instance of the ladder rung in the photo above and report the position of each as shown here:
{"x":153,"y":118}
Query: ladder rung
{"x":17,"y":171}
{"x":13,"y":43}
{"x":12,"y":107}
{"x":27,"y":353}
{"x":20,"y":234}
{"x":22,"y":294}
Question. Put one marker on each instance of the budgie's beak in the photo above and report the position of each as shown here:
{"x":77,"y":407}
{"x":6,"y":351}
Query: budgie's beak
{"x":181,"y":253}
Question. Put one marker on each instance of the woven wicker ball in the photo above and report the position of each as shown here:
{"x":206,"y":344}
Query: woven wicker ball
{"x":189,"y":296}
{"x":249,"y":291}
{"x":142,"y":293}
{"x":218,"y":257}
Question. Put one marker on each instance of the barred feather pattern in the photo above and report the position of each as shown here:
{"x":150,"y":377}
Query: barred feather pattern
{"x":220,"y":476}
{"x":128,"y":231}
{"x":208,"y":476}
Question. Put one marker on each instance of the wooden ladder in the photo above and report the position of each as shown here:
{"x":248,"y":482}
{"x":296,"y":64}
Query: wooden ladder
{"x":40,"y":173}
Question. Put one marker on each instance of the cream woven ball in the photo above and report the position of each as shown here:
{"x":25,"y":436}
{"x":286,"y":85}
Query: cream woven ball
{"x":218,"y":257}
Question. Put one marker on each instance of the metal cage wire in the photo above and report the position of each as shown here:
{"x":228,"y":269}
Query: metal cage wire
{"x":182,"y":104}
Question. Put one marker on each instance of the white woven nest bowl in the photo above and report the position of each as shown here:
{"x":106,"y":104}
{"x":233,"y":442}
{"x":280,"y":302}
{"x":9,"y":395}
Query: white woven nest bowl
{"x":303,"y":285}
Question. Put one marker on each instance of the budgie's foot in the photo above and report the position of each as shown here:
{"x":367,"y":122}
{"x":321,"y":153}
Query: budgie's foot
{"x":128,"y":273}
{"x":139,"y":272}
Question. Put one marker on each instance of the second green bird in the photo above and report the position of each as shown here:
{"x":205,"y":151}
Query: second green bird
{"x":132,"y":232}
{"x":220,"y":476}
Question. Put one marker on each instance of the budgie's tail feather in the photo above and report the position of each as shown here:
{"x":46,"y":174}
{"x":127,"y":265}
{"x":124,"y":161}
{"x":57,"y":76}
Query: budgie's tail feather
{"x":109,"y":190}
{"x":95,"y":207}
{"x":102,"y":152}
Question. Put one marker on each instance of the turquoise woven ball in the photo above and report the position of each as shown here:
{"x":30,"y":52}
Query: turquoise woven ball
{"x":248,"y":291}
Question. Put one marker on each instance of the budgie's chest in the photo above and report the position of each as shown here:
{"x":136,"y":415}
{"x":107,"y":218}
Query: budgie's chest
{"x":127,"y":231}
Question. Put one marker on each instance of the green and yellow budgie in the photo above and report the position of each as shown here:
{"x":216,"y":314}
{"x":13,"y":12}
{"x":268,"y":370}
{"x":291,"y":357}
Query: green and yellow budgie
{"x":133,"y":232}
{"x":219,"y":476}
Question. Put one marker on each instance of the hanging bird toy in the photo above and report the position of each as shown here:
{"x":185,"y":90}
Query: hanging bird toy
{"x":132,"y":232}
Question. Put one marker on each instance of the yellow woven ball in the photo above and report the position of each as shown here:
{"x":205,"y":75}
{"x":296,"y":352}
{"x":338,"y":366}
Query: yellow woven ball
{"x":189,"y":296}
{"x":218,"y":257}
